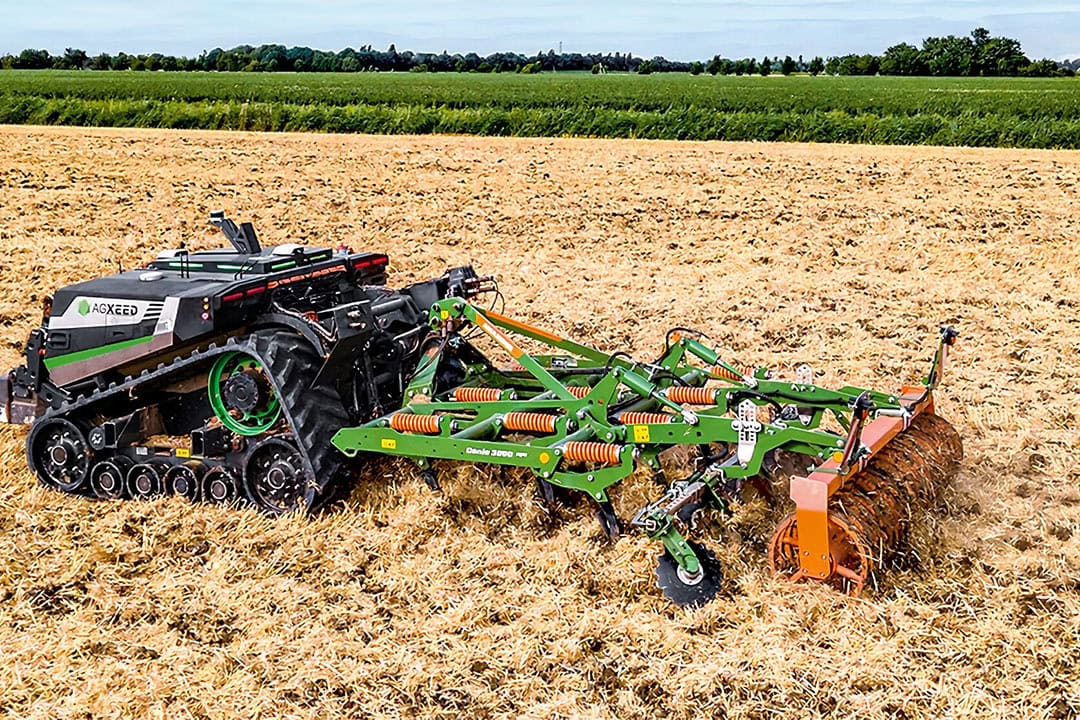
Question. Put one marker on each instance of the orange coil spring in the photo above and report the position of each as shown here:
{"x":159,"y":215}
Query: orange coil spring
{"x":533,"y":422}
{"x":597,"y":452}
{"x":691,"y":395}
{"x":411,"y":423}
{"x":476,"y":394}
{"x":644,"y":418}
{"x":579,"y":391}
{"x":723,"y":372}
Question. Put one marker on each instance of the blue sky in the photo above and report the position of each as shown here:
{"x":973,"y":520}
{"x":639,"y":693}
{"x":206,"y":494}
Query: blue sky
{"x":677,"y":29}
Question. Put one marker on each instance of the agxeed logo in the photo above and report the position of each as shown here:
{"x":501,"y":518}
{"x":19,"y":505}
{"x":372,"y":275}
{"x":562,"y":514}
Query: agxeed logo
{"x":117,"y":309}
{"x":86,"y":312}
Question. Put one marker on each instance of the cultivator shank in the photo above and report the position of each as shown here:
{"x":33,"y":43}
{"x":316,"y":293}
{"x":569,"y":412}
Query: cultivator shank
{"x":583,"y":420}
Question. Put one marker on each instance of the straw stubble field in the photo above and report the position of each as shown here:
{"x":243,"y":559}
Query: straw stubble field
{"x":477,"y":602}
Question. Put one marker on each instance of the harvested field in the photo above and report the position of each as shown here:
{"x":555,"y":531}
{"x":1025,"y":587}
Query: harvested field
{"x":475,"y":602}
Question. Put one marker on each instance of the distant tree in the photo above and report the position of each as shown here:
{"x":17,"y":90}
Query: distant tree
{"x":696,"y":68}
{"x":33,"y":60}
{"x":461,"y":66}
{"x":7,"y":62}
{"x":74,"y":59}
{"x":530,"y":68}
{"x":421,"y":68}
{"x":903,"y":59}
{"x":788,"y":66}
{"x":950,"y":55}
{"x":646,"y":67}
{"x":137,"y":63}
{"x":1000,"y":56}
{"x":1045,"y":68}
{"x":714,"y":65}
{"x":816,"y":66}
{"x":751,"y":66}
{"x":832,"y":66}
{"x":766,"y":66}
{"x":101,"y":62}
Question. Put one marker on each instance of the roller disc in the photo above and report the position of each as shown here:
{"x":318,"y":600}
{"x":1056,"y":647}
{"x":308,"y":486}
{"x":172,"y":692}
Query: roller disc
{"x":870,"y":516}
{"x":685,"y":590}
{"x":852,"y":560}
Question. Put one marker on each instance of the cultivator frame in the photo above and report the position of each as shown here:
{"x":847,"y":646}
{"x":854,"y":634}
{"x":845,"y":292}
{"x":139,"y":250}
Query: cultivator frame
{"x":583,"y":420}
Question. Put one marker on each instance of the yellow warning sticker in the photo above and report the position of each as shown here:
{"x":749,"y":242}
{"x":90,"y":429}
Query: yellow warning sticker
{"x":389,"y":444}
{"x":641,"y":433}
{"x":183,"y":452}
{"x":544,"y":457}
{"x":444,"y":314}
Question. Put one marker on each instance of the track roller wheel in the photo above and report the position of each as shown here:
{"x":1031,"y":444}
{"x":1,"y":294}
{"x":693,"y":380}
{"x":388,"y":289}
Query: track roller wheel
{"x":107,"y":477}
{"x":687,"y":590}
{"x":59,"y":454}
{"x":185,"y":480}
{"x":146,"y":480}
{"x":220,"y":485}
{"x":274,"y":477}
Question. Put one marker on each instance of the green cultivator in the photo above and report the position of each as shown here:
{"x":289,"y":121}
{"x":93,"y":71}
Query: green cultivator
{"x":584,"y":420}
{"x":250,"y":375}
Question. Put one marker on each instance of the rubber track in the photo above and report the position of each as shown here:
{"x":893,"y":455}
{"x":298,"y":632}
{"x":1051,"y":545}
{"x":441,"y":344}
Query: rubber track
{"x":314,"y":414}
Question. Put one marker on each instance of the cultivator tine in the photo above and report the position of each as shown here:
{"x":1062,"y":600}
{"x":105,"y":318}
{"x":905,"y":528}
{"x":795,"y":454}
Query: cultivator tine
{"x":609,"y":521}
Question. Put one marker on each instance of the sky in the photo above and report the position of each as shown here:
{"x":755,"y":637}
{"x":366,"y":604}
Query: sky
{"x":676,"y":29}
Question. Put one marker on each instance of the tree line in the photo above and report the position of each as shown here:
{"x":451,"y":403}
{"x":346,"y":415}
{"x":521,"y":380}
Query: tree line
{"x":979,"y":54}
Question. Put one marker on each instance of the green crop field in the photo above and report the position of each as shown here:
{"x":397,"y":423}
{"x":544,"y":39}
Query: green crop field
{"x":1002,"y":112}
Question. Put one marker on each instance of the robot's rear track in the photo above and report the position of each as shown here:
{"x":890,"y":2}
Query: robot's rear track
{"x":312,"y":411}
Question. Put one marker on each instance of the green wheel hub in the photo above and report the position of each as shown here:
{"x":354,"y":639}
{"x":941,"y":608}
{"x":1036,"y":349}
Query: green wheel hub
{"x":246,"y":405}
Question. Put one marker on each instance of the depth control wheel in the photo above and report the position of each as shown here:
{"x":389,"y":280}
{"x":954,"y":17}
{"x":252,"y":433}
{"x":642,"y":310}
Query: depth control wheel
{"x":107,"y":477}
{"x":185,"y":480}
{"x":220,"y":485}
{"x":59,"y":454}
{"x":688,"y":590}
{"x":274,"y":477}
{"x":146,"y":480}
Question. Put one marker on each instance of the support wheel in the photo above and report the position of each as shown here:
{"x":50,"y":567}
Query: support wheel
{"x":220,"y":485}
{"x":687,"y":590}
{"x":274,"y":477}
{"x":59,"y":454}
{"x":146,"y":480}
{"x":107,"y":477}
{"x":185,"y":480}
